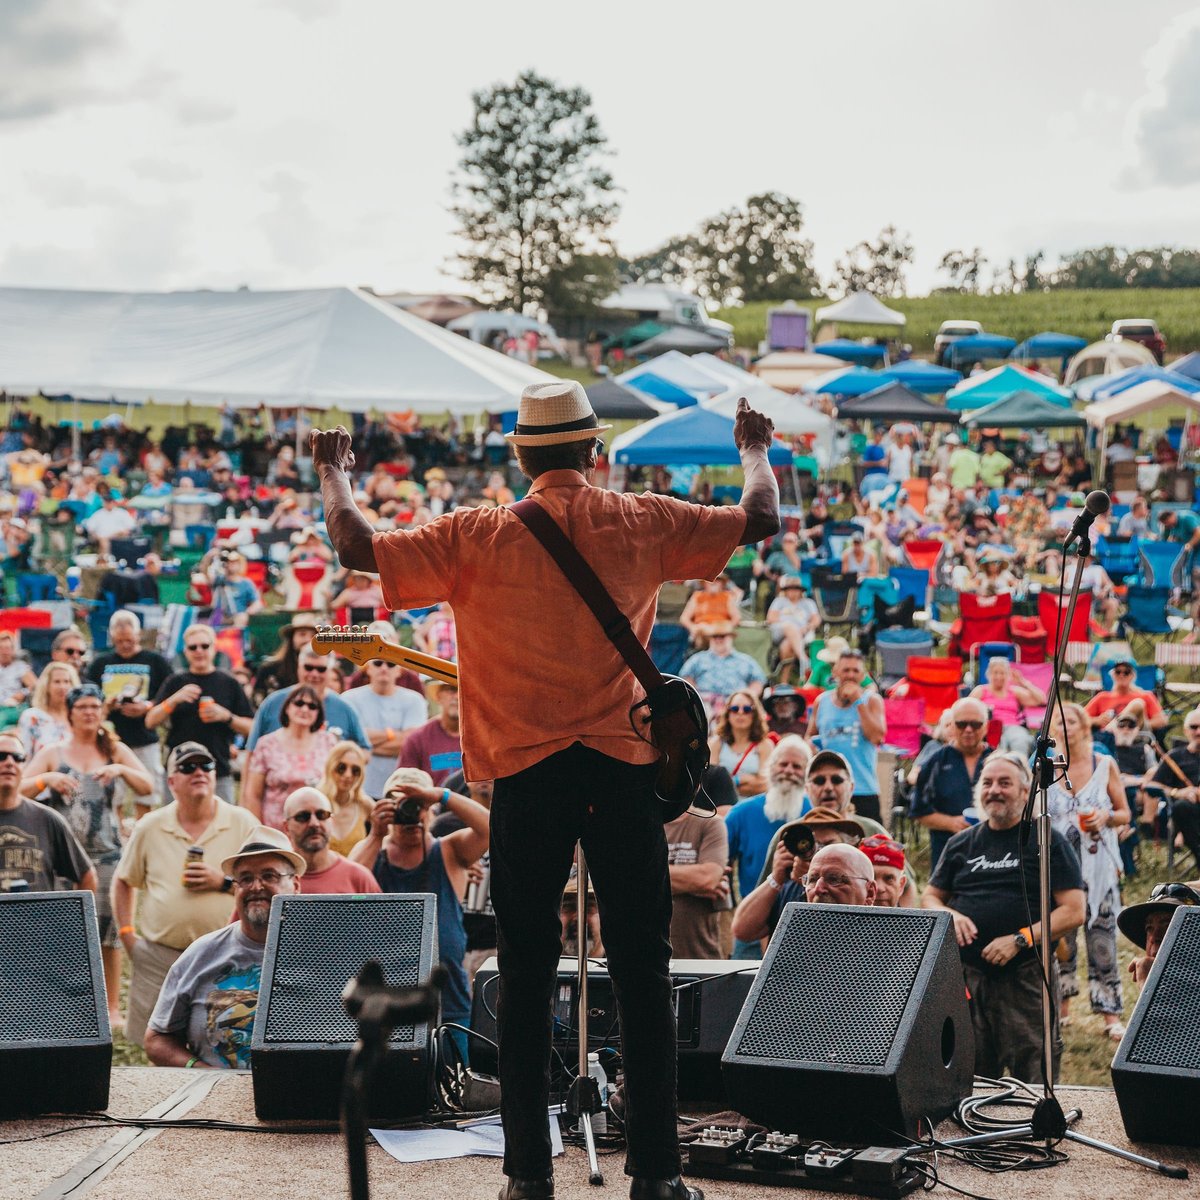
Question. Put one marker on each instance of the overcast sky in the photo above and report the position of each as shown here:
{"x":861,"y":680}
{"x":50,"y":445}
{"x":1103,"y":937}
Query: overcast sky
{"x":150,"y":144}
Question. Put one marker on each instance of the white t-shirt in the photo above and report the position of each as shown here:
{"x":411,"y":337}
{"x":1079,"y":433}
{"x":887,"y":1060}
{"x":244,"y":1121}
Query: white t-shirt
{"x":109,"y":523}
{"x":403,"y":709}
{"x":900,"y":463}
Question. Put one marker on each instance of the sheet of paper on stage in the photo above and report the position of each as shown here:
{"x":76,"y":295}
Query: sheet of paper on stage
{"x":426,"y":1145}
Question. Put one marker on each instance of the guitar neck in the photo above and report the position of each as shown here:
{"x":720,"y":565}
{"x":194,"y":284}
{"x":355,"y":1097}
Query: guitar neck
{"x":426,"y":664}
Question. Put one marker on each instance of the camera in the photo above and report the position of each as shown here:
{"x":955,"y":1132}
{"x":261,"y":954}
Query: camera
{"x":408,"y":812}
{"x":799,"y":841}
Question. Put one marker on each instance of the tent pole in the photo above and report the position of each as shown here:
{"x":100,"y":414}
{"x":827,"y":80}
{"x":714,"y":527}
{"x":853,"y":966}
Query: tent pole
{"x":76,"y":435}
{"x":1103,"y":450}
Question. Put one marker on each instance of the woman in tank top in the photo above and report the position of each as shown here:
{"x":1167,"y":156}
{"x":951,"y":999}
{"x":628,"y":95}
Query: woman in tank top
{"x":740,"y":743}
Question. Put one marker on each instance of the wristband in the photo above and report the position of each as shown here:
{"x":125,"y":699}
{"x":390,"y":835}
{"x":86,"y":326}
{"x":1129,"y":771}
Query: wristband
{"x":39,"y":783}
{"x":390,"y":734}
{"x":191,"y":1062}
{"x":772,"y":883}
{"x":125,"y":929}
{"x":1027,"y":933}
{"x":445,"y":797}
{"x":169,"y":706}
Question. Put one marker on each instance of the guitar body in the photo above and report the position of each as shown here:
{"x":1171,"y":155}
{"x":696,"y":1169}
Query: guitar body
{"x":678,"y":729}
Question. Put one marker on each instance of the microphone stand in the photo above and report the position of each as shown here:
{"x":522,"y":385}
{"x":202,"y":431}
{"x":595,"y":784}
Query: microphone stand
{"x":1049,"y":1123}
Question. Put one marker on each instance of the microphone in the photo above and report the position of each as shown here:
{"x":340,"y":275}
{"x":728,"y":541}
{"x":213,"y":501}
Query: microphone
{"x":1096,"y":505}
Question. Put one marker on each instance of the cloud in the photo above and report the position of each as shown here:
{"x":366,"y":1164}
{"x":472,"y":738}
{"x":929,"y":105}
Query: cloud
{"x":45,"y":47}
{"x":1165,"y":123}
{"x":203,"y":111}
{"x":161,"y":170}
{"x":291,"y":228}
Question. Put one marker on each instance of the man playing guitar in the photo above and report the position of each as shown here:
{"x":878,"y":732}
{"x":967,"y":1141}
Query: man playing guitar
{"x":545,"y":711}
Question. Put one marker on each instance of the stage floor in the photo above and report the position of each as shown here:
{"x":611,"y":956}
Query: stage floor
{"x":192,"y":1162}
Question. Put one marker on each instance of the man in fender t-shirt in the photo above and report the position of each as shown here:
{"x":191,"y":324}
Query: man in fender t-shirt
{"x":978,"y":881}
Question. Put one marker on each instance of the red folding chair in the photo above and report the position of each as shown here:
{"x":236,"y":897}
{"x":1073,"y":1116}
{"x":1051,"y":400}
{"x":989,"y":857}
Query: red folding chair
{"x":982,"y":619}
{"x":1029,"y":634}
{"x":25,"y":618}
{"x":936,"y":681}
{"x":1053,"y":617}
{"x":923,"y":553}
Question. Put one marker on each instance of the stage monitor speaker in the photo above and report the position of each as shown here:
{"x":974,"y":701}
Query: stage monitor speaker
{"x":1156,"y":1071}
{"x":708,"y":996}
{"x":55,"y":1041}
{"x":856,"y":1028}
{"x":303,"y":1035}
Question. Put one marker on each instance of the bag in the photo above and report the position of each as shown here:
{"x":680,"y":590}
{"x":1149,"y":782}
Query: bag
{"x":671,"y":717}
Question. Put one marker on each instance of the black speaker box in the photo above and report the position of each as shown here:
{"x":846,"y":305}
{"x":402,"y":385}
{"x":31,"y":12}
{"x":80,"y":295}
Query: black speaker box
{"x":55,"y":1041}
{"x":303,"y":1036}
{"x":708,"y":997}
{"x":856,"y":1027}
{"x":1156,"y":1071}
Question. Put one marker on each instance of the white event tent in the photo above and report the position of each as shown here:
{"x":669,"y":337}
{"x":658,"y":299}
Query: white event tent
{"x":1142,"y":397}
{"x":322,"y":348}
{"x":861,"y":308}
{"x":789,"y":414}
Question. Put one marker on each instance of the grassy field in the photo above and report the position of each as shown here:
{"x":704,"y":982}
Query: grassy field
{"x":1087,"y":313}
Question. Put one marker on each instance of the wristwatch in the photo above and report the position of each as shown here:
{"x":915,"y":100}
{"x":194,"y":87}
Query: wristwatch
{"x":1023,"y":943}
{"x":227,"y":884}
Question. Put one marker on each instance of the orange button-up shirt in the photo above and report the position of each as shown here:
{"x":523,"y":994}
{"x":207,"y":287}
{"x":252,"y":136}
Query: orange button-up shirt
{"x":536,"y":671}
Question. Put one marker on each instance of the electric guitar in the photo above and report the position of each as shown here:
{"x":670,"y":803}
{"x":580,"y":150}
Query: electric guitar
{"x":360,"y":647}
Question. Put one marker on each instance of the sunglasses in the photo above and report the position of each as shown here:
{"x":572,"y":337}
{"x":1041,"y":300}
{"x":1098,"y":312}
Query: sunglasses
{"x":740,"y":708}
{"x":197,"y":764}
{"x":354,"y":769}
{"x":307,"y":815}
{"x":74,"y":651}
{"x":1122,"y":671}
{"x":1191,"y":729}
{"x":11,"y":756}
{"x":822,"y":780}
{"x":319,"y":668}
{"x":1127,"y":725}
{"x":199,"y":646}
{"x":720,"y":637}
{"x":305,"y":704}
{"x":379,"y":662}
{"x":1174,"y":891}
{"x":968,"y":724}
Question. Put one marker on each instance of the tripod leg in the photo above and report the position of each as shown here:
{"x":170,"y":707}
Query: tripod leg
{"x":1153,"y":1163}
{"x":595,"y":1177}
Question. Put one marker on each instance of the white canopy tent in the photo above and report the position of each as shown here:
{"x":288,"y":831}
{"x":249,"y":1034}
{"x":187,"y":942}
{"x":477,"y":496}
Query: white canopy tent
{"x":861,"y":308}
{"x":687,"y":373}
{"x":794,"y":370}
{"x":1107,"y":358}
{"x":322,"y":348}
{"x":1132,"y":402}
{"x":790,"y":415}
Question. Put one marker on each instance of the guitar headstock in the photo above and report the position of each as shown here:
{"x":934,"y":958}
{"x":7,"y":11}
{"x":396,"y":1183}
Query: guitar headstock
{"x":351,"y":641}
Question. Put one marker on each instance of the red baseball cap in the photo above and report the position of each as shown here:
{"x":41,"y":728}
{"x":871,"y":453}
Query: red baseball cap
{"x":880,"y":848}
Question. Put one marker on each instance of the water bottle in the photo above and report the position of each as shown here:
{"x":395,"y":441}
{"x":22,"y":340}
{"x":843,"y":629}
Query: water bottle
{"x":596,"y":1071}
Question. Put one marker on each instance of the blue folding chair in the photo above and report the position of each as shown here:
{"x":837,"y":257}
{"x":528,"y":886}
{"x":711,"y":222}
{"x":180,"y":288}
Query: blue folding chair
{"x":982,"y":653}
{"x":1118,"y":556}
{"x":668,"y":647}
{"x":1145,"y":678}
{"x":871,"y":587}
{"x":912,"y":582}
{"x":1162,"y":564}
{"x":837,"y":536}
{"x":1146,"y":615}
{"x":200,"y":537}
{"x":34,"y":587}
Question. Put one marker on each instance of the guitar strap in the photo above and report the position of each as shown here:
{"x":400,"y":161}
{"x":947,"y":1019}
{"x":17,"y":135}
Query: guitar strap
{"x":594,"y":594}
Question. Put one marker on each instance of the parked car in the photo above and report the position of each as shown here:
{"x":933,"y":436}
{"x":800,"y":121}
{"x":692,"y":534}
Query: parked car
{"x":948,"y":333}
{"x":1142,"y":329}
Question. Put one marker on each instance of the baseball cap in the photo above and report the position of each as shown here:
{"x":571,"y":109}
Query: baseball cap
{"x":880,"y":848}
{"x":830,"y":757}
{"x":1123,"y":660}
{"x":185,"y":751}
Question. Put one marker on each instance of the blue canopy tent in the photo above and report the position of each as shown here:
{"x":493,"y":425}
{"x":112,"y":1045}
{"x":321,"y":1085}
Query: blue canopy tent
{"x":694,"y":436}
{"x":922,"y":376}
{"x":1100,"y":387}
{"x":983,"y":389}
{"x":981,"y":346}
{"x":1049,"y":345}
{"x":1188,"y":365}
{"x":852,"y":352}
{"x":848,"y":381}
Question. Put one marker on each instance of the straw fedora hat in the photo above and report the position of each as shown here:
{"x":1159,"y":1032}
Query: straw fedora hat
{"x":551,"y":413}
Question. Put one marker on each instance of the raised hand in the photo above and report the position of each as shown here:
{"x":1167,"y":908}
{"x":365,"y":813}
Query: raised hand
{"x":331,"y":448}
{"x":751,"y":430}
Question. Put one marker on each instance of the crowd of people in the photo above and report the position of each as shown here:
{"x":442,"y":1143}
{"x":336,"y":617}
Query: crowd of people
{"x":189,"y":783}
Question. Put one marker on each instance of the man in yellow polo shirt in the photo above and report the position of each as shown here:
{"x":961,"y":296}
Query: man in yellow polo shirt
{"x":183,"y":898}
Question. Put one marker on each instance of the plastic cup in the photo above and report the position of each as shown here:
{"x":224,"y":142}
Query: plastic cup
{"x":971,"y":815}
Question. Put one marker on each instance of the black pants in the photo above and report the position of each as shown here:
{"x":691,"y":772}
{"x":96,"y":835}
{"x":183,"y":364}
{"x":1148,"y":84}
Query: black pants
{"x":868,"y":806}
{"x":538,"y":815}
{"x":1186,"y":815}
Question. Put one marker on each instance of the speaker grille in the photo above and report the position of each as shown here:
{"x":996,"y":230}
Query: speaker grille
{"x":1169,"y":1033}
{"x":812,"y":1010}
{"x":316,"y":958}
{"x":46,"y":985}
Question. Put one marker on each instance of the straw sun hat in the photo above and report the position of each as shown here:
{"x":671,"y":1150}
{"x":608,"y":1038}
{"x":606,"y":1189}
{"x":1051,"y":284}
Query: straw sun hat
{"x":551,"y":413}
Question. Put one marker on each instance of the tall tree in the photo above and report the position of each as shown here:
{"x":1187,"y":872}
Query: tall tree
{"x":530,"y":191}
{"x":963,"y":269}
{"x":877,"y":267}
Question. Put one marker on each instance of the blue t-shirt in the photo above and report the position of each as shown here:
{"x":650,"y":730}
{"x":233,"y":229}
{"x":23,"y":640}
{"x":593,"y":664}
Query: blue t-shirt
{"x":339,"y":717}
{"x":750,"y":835}
{"x":841,"y":729}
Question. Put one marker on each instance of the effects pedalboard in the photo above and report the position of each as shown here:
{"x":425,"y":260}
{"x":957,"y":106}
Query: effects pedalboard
{"x":785,"y":1160}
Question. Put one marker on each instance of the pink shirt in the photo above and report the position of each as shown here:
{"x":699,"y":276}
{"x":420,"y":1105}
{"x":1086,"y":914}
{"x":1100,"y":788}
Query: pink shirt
{"x":343,"y":878}
{"x":285,"y":770}
{"x":537,"y":672}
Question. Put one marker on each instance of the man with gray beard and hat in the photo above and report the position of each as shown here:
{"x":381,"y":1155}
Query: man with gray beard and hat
{"x":751,"y":824}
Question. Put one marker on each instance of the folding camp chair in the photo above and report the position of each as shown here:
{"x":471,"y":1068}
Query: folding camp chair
{"x":36,"y":644}
{"x":1178,"y":695}
{"x":912,"y":582}
{"x":983,"y":619}
{"x":1146,"y":678}
{"x":836,"y":599}
{"x":982,"y":653}
{"x":875,"y":586}
{"x":1145,"y":618}
{"x":1118,"y":556}
{"x":1053,"y":617}
{"x":1029,"y":634}
{"x":918,"y":494}
{"x":129,"y":550}
{"x":668,"y":646}
{"x":924,"y":554}
{"x":24,"y":618}
{"x":1162,"y":564}
{"x":837,"y":537}
{"x":937,"y":681}
{"x":33,"y":587}
{"x":893,"y":649}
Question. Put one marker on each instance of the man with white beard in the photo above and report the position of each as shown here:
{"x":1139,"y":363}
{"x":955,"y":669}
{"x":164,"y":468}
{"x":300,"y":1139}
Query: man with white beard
{"x":752,"y":823}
